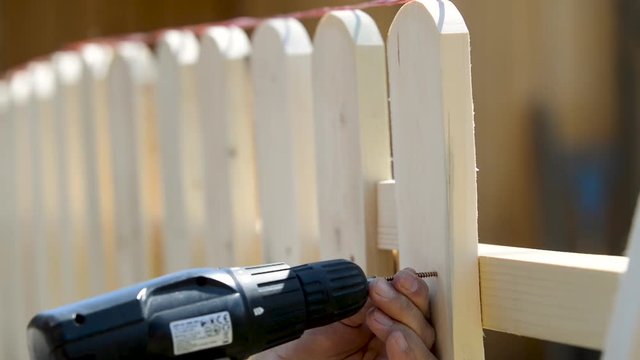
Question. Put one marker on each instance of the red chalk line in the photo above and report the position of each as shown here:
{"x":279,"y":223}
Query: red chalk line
{"x":244,"y":22}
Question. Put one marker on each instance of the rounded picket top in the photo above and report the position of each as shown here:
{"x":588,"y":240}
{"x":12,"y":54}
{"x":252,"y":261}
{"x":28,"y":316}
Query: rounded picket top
{"x":44,"y":82}
{"x":135,"y":59}
{"x":228,"y":41}
{"x":442,"y":17}
{"x":96,"y":59}
{"x":20,"y":87}
{"x":285,"y":34}
{"x":359,"y":26}
{"x":67,"y":66}
{"x":179,"y":47}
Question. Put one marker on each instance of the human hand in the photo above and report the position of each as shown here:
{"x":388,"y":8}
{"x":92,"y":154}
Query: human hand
{"x":394,"y":325}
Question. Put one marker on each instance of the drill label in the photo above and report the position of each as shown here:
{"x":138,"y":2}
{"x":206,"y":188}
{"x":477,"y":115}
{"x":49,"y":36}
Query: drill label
{"x":202,"y":332}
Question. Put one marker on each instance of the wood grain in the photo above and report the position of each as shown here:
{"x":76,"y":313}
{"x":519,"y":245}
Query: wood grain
{"x":352,"y":136}
{"x":435,"y":166}
{"x":226,"y":102}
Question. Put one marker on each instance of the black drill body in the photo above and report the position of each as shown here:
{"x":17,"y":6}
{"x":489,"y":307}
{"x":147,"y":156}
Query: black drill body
{"x":202,"y":313}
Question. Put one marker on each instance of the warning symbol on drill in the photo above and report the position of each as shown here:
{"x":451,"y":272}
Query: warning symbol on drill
{"x":202,"y":332}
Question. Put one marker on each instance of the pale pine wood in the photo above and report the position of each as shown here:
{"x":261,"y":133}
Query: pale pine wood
{"x":96,"y":60}
{"x":556,"y":296}
{"x":19,"y":94}
{"x":6,"y":221}
{"x":26,"y":232}
{"x":623,"y":337}
{"x":181,"y":150}
{"x":67,"y":69}
{"x":46,"y":200}
{"x":227,"y":134}
{"x":135,"y":157}
{"x":387,"y":215}
{"x":434,"y":166}
{"x":281,"y":72}
{"x":352,"y":136}
{"x":549,"y":295}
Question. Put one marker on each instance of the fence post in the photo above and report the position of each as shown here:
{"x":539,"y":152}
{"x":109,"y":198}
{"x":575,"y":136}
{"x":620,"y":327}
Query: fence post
{"x":435,"y":168}
{"x":352,"y":136}
{"x":623,"y":336}
{"x":136,"y":253}
{"x":227,"y":134}
{"x":281,"y":72}
{"x":181,"y":150}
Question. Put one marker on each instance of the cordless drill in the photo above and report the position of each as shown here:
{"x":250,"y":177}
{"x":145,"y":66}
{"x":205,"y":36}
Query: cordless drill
{"x":202,"y":313}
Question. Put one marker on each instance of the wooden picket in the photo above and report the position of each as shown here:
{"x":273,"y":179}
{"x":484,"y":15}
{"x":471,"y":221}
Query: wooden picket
{"x":281,"y":73}
{"x":6,"y":225}
{"x":119,"y":163}
{"x":227,"y":136}
{"x":18,"y":289}
{"x":435,"y":166}
{"x":181,"y":150}
{"x":134,"y":148}
{"x":352,"y":136}
{"x":70,"y":142}
{"x":95,"y":61}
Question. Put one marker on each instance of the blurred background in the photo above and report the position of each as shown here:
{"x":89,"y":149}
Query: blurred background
{"x":557,"y":109}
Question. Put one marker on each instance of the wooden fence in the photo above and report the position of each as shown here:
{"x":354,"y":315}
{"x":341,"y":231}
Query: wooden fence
{"x":119,"y":163}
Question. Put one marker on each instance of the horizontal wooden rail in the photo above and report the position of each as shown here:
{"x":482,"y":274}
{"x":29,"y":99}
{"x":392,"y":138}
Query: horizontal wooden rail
{"x":550,"y":295}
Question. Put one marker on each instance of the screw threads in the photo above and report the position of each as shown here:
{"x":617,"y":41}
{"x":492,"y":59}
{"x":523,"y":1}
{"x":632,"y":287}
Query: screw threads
{"x":423,"y":274}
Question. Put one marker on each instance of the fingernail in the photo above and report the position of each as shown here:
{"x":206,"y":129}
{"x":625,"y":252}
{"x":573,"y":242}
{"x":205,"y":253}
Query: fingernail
{"x":401,"y":342}
{"x":409,"y":283}
{"x":384,"y":289}
{"x":382,"y":319}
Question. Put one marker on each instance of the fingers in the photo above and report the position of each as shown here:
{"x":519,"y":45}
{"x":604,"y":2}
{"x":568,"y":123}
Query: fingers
{"x":406,"y":345}
{"x":382,"y":325}
{"x":401,"y":307}
{"x":411,"y":286}
{"x":358,"y":318}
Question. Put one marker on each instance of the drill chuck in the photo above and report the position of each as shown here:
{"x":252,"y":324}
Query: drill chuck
{"x":202,"y":313}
